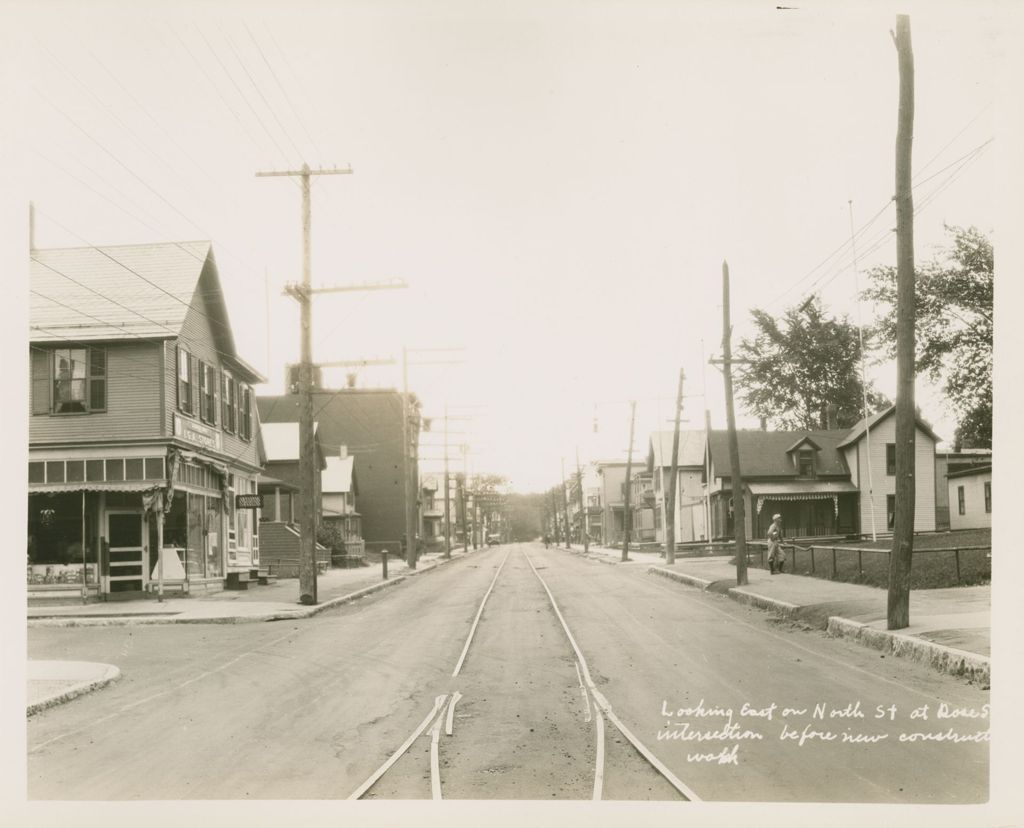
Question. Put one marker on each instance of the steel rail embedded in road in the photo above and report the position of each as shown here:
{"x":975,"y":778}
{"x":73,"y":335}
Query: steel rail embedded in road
{"x":602,"y":703}
{"x":479,"y":612}
{"x":377,"y":774}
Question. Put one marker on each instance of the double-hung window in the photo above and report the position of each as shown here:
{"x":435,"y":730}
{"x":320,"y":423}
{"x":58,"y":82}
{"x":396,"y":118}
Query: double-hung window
{"x":79,"y":380}
{"x":209,"y":396}
{"x":229,"y":391}
{"x":187,"y":380}
{"x":245,"y":412}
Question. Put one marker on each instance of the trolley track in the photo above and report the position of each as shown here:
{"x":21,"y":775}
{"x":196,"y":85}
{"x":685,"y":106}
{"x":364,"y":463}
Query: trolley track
{"x":543,"y":684}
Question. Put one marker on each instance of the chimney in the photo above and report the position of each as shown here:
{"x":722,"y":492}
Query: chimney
{"x":764,"y":424}
{"x":830,"y":416}
{"x":343,"y":452}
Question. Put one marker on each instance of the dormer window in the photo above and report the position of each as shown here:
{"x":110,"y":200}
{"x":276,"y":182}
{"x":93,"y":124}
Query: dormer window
{"x":805,"y":462}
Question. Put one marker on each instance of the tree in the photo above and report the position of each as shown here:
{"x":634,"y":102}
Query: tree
{"x":797,"y":366}
{"x":954,"y":292}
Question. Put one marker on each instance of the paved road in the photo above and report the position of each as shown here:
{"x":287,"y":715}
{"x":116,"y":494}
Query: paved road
{"x":315,"y":709}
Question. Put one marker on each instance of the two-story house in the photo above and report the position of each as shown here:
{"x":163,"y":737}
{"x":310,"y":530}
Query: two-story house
{"x":689,"y":507}
{"x":823,"y":482}
{"x":142,"y":421}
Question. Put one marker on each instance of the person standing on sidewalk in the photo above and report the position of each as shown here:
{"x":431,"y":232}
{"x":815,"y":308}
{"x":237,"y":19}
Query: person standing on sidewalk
{"x":776,"y":554}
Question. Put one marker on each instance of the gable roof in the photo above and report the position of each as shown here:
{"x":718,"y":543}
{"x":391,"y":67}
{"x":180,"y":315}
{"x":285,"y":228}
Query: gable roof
{"x":118,"y":292}
{"x":691,"y":448}
{"x":130,"y":291}
{"x":337,"y":477}
{"x":764,"y":453}
{"x":281,"y":441}
{"x":858,"y":430}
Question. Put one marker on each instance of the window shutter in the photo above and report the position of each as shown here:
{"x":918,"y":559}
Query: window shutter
{"x":193,"y":381}
{"x":224,"y":399}
{"x":214,"y":394}
{"x":248,"y":412}
{"x":97,"y":379}
{"x":41,"y":361}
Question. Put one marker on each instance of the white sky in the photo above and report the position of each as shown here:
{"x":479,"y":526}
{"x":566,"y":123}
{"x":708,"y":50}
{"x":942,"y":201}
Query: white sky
{"x":558,"y":182}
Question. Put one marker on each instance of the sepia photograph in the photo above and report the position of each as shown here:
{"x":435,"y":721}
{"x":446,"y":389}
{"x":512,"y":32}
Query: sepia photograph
{"x":574,"y":412}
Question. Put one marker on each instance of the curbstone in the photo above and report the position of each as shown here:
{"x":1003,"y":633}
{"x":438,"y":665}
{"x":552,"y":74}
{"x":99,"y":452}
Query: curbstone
{"x":971,"y":666}
{"x":690,"y":580}
{"x":754,"y":599}
{"x":110,"y":674}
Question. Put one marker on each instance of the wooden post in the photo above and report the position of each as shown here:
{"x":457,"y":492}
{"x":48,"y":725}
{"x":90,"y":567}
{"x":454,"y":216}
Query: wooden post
{"x":670,"y":506}
{"x":739,"y":521}
{"x":898,"y":611}
{"x":627,"y":518}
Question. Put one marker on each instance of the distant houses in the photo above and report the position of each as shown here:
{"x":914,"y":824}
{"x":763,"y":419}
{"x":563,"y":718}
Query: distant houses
{"x":824,"y":483}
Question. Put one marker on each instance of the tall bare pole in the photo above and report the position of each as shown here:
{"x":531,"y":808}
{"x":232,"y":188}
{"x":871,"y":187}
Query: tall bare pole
{"x":627,"y":517}
{"x":739,"y":522}
{"x":898,"y":615}
{"x":565,"y":510}
{"x":408,"y":489}
{"x":447,"y":508}
{"x":307,"y":463}
{"x":670,"y":505}
{"x":584,"y":516}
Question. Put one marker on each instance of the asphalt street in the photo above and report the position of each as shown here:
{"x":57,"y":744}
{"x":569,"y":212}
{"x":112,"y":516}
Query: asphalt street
{"x":634,"y":688}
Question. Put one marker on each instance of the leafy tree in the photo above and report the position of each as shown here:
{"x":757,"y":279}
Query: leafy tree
{"x":953,"y":305}
{"x":799,"y":365}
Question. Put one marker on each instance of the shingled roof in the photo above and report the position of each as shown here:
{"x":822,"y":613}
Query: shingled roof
{"x":764,"y":453}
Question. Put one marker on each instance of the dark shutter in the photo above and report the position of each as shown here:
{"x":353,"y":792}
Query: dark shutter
{"x":224,"y":399}
{"x":97,"y":379}
{"x":41,"y":360}
{"x":193,"y":379}
{"x":214,"y":394}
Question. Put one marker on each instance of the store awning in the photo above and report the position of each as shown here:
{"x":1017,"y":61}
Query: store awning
{"x":801,"y":490}
{"x":95,"y":486}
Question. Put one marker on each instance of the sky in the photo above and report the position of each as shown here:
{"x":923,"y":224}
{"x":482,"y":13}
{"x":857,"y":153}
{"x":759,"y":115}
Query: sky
{"x":557,"y":183}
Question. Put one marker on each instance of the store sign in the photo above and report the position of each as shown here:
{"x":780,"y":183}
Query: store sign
{"x":196,"y":433}
{"x":248,"y":501}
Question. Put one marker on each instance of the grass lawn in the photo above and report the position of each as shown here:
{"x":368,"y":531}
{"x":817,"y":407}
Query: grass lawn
{"x":933,"y":566}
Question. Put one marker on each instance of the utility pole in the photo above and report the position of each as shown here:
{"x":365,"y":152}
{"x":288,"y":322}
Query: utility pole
{"x":565,"y":509}
{"x":670,"y":510}
{"x":554,"y":518}
{"x":447,"y":511}
{"x":627,"y":518}
{"x":584,"y":516}
{"x":739,"y":522}
{"x":307,"y":464}
{"x":898,"y":614}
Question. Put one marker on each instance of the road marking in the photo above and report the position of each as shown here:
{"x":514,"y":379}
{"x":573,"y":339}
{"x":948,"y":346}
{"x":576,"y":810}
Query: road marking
{"x":479,"y":612}
{"x":162,"y":693}
{"x":451,"y":713}
{"x":377,"y":774}
{"x":583,"y":691}
{"x":601,"y":702}
{"x":435,"y":764}
{"x":599,"y":764}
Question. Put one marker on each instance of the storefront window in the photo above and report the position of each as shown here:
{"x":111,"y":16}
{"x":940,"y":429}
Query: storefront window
{"x":196,"y":555}
{"x":55,"y":529}
{"x":214,"y":550}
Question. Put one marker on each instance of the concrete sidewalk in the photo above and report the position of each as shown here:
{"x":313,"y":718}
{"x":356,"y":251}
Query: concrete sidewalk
{"x":950,"y":629}
{"x":50,"y":683}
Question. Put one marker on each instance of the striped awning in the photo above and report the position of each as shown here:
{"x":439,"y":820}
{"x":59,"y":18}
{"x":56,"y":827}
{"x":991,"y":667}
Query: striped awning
{"x":95,"y":486}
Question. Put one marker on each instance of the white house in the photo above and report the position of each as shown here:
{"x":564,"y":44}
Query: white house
{"x":970,"y":498}
{"x":690,"y":506}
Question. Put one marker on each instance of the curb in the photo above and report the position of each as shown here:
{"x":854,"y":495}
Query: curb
{"x":961,"y":663}
{"x":110,"y":675}
{"x":783,"y":608}
{"x":690,"y":580}
{"x":280,"y":615}
{"x":939,"y":657}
